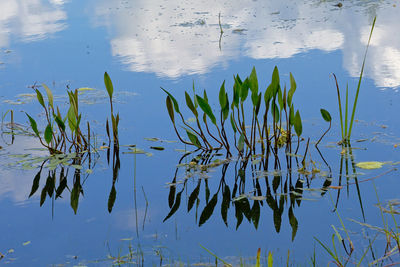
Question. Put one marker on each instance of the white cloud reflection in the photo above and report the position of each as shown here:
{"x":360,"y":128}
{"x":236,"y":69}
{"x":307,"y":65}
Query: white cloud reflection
{"x":174,"y":38}
{"x":30,"y":19}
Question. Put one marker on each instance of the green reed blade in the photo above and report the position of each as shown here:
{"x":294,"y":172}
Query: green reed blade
{"x":359,"y":81}
{"x":108,"y":84}
{"x":346,"y":111}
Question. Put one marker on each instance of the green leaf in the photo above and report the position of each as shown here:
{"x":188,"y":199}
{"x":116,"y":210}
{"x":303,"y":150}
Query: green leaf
{"x":233,"y":123}
{"x":292,"y":89}
{"x":48,"y":134}
{"x":225,"y":111}
{"x":72,"y":119}
{"x":297,"y":124}
{"x":255,"y":213}
{"x":190,"y":104}
{"x":208,"y":210}
{"x":291,"y":115}
{"x":280,"y":99}
{"x":206,"y":108}
{"x":170,"y":109}
{"x":60,"y":123}
{"x":275,"y":81}
{"x":193,"y":139}
{"x":49,"y":95}
{"x":258,"y":103}
{"x":244,"y":90}
{"x":253,"y":82}
{"x":176,"y":106}
{"x":236,"y":91}
{"x":222,"y":97}
{"x":270,"y":260}
{"x":40,"y":98}
{"x":275,"y":111}
{"x":33,"y":125}
{"x":108,"y":84}
{"x":325,"y":114}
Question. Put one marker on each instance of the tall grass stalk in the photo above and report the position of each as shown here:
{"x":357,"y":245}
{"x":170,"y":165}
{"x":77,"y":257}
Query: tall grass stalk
{"x":347,"y":125}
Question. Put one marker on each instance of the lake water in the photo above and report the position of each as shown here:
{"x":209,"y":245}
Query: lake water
{"x":145,"y":45}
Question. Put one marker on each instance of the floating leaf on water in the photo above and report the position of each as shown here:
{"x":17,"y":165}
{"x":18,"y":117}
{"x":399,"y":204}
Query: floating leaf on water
{"x":157,"y":147}
{"x":370,"y":165}
{"x":10,"y":251}
{"x":89,"y":171}
{"x":78,"y":167}
{"x":258,"y":198}
{"x":26,"y":243}
{"x":238,"y":198}
{"x":83,"y":89}
{"x":152,"y":139}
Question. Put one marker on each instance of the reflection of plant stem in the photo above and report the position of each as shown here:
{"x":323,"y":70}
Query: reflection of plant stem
{"x":316,"y":144}
{"x":147,"y":204}
{"x":221,"y":31}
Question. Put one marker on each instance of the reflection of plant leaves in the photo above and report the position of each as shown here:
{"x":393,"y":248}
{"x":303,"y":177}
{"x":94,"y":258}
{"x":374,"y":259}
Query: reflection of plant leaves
{"x":207,"y":192}
{"x":111,"y":198}
{"x":276,"y":182}
{"x":35,"y":184}
{"x":293,"y":223}
{"x":75,"y":196}
{"x":208,"y":210}
{"x":238,"y":215}
{"x":244,"y":204}
{"x":277,"y":220}
{"x":299,"y":190}
{"x":226,"y":200}
{"x":171,"y":195}
{"x":61,"y":186}
{"x":43,"y":195}
{"x":255,"y":213}
{"x":50,"y":184}
{"x":175,"y":206}
{"x":194,"y":195}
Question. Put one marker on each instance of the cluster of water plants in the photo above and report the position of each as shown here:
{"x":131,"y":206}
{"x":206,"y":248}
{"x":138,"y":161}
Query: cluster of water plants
{"x":272,"y":123}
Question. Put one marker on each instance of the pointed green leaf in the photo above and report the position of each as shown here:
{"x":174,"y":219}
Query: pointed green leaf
{"x":40,"y":98}
{"x":244,"y":90}
{"x":206,"y":108}
{"x":275,"y":81}
{"x":253,"y":81}
{"x":326,"y":115}
{"x":49,"y":95}
{"x":280,"y":99}
{"x":233,"y":123}
{"x":222,"y":96}
{"x":258,"y":103}
{"x":190,"y":104}
{"x":48,"y":134}
{"x":193,"y":138}
{"x":292,"y":89}
{"x":275,"y":111}
{"x":108,"y":84}
{"x":75,"y":196}
{"x":297,"y":124}
{"x":176,"y":106}
{"x":59,"y":122}
{"x":170,"y":109}
{"x":33,"y":125}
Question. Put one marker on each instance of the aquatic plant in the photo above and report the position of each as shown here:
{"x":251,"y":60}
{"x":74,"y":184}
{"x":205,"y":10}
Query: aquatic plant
{"x":114,"y":118}
{"x":278,"y":107}
{"x":345,"y":124}
{"x":55,"y":136}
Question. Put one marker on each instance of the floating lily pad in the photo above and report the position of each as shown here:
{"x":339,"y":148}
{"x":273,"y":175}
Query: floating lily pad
{"x":370,"y":165}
